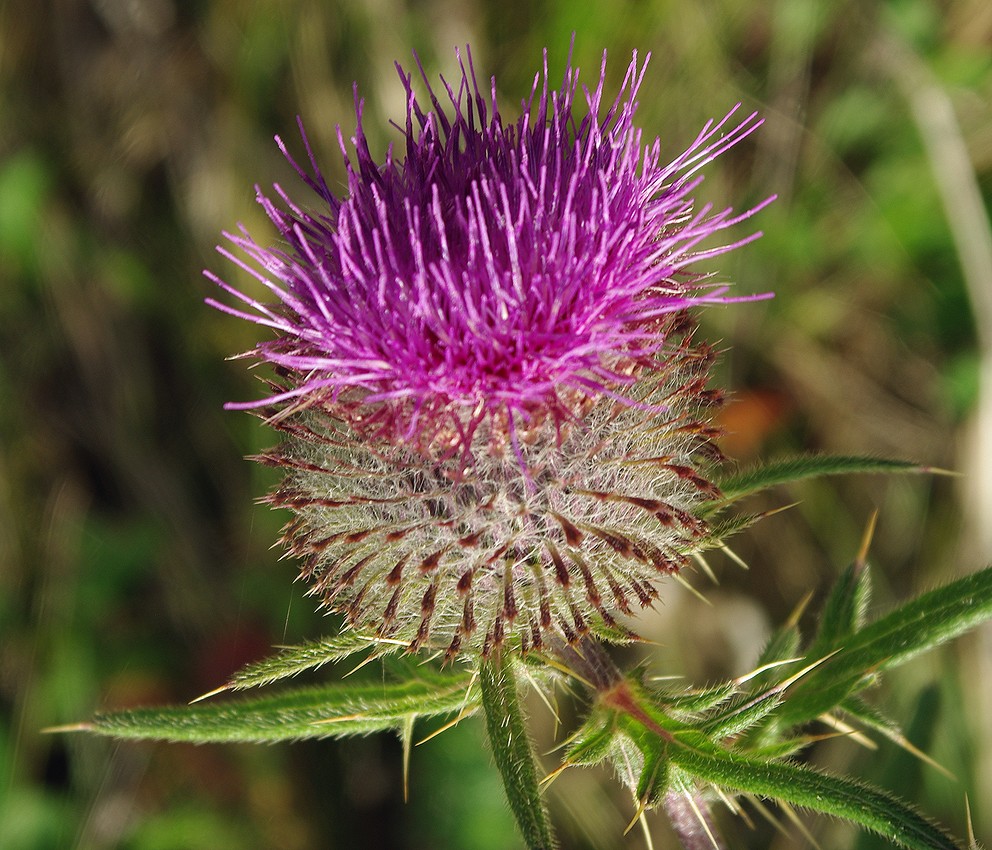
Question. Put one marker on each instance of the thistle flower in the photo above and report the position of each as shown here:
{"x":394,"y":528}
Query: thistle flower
{"x":496,"y":417}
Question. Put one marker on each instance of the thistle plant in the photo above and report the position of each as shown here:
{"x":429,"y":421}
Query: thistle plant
{"x":498,"y":445}
{"x":496,"y":416}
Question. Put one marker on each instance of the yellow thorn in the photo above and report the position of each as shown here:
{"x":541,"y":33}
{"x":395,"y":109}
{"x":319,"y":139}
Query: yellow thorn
{"x":641,"y":806}
{"x":691,"y":589}
{"x":737,"y":559}
{"x":705,"y":567}
{"x":773,"y":511}
{"x":69,"y":727}
{"x":902,"y":741}
{"x":372,"y":656}
{"x":866,"y":538}
{"x":468,"y":690}
{"x":451,"y":723}
{"x":551,"y":777}
{"x":768,"y":815}
{"x":795,"y":677}
{"x":849,"y":731}
{"x":702,"y":821}
{"x":406,"y":735}
{"x":342,"y":719}
{"x":790,"y":813}
{"x":797,"y":612}
{"x":972,"y":841}
{"x":771,"y":665}
{"x":212,"y":693}
{"x":541,"y":694}
{"x":922,"y":756}
{"x":936,"y":470}
{"x":392,"y":641}
{"x":735,"y":809}
{"x":647,"y":832}
{"x":553,"y":662}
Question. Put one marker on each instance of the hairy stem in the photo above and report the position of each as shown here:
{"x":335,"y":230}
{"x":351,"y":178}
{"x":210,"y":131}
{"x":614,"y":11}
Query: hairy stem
{"x":512,"y":752}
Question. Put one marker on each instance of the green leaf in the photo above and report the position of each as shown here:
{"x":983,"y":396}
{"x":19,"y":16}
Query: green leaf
{"x":331,"y":711}
{"x":783,"y":645}
{"x":695,"y":701}
{"x":780,"y":748}
{"x":853,"y":800}
{"x":295,"y":659}
{"x":721,"y":531}
{"x":593,"y":742}
{"x":742,"y":714}
{"x":648,"y":757}
{"x":869,"y":716}
{"x":653,"y":781}
{"x":513,"y":753}
{"x":844,"y":612}
{"x":759,"y":478}
{"x":920,"y":733}
{"x":920,"y":624}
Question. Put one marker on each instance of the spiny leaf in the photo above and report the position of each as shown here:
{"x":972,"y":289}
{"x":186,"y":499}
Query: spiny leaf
{"x":781,"y":748}
{"x":756,"y":479}
{"x":295,"y":659}
{"x":639,"y":750}
{"x":748,"y":710}
{"x":593,"y":741}
{"x":852,"y":800}
{"x":742,"y":714}
{"x":513,"y":754}
{"x":783,"y":646}
{"x":926,"y":706}
{"x":846,"y":607}
{"x":913,"y":628}
{"x":653,"y":781}
{"x":693,"y":702}
{"x":331,"y":711}
{"x":726,"y":528}
{"x":868,"y":716}
{"x":844,"y":611}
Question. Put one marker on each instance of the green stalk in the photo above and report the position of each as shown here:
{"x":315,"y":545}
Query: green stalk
{"x":513,"y":754}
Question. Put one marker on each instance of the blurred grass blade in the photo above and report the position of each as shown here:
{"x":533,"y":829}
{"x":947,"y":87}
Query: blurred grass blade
{"x":852,"y":800}
{"x":759,"y":478}
{"x":331,"y":711}
{"x":295,"y":659}
{"x":918,"y":625}
{"x":513,"y":754}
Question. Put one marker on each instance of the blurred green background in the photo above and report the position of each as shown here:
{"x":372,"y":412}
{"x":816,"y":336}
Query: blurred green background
{"x":135,"y":567}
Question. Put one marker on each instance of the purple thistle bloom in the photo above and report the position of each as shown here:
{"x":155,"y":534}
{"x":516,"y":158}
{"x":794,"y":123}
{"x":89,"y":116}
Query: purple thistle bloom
{"x":495,"y":412}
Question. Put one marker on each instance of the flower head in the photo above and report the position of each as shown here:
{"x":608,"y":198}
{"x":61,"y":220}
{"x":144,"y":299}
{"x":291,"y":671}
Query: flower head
{"x":496,"y":416}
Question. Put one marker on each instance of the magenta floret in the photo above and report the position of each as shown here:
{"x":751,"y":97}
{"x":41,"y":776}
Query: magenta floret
{"x":498,"y":269}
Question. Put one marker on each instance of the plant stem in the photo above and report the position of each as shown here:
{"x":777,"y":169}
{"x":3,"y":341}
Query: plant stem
{"x":512,"y":752}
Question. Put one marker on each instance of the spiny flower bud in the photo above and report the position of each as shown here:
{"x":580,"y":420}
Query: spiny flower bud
{"x":495,"y":414}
